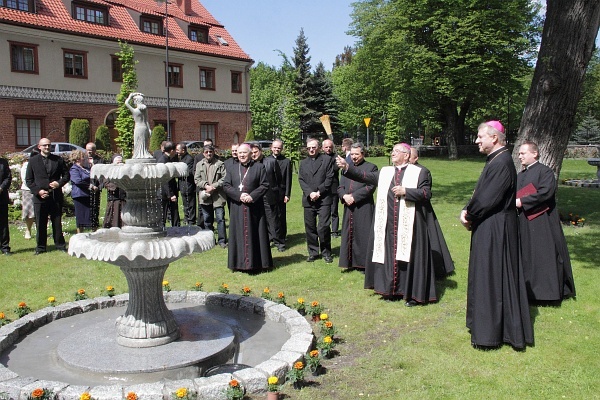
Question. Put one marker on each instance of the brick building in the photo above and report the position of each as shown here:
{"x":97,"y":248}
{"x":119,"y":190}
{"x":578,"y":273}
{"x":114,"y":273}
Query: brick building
{"x":59,"y":63}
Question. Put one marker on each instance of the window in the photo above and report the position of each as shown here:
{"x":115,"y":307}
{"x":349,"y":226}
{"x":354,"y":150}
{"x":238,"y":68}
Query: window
{"x":175,"y":75}
{"x":151,"y":25}
{"x":208,"y":131}
{"x":198,"y":34}
{"x":117,"y":69}
{"x":207,"y":78}
{"x":75,"y":63}
{"x":236,"y":82}
{"x":29,"y":131}
{"x":90,"y":13}
{"x":23,"y":57}
{"x":21,"y":5}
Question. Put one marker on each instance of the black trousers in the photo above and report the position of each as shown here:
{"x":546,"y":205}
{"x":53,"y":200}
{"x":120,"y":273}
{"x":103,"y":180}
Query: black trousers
{"x":4,"y":232}
{"x":189,"y":207}
{"x":53,"y":209}
{"x":335,"y":219}
{"x":170,"y":210}
{"x":318,"y":235}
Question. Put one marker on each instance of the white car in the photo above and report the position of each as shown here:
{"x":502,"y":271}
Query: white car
{"x":58,"y":148}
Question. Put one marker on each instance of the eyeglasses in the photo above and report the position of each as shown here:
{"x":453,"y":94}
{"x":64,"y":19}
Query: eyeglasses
{"x":46,"y":145}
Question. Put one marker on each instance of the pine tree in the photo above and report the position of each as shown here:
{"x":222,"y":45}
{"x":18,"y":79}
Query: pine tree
{"x":124,"y":123}
{"x":309,"y":121}
{"x":290,"y":133}
{"x":324,"y":101}
{"x":588,"y":131}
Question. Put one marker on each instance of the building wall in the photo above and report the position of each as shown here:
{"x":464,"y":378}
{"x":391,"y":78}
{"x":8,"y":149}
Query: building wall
{"x":51,"y":96}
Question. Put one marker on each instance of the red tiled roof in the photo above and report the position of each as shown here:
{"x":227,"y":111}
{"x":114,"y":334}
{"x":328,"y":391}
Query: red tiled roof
{"x":53,"y":15}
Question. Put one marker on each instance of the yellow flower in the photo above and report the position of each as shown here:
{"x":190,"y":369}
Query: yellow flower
{"x":165,"y":283}
{"x":314,"y":353}
{"x":131,"y":396}
{"x":225,"y":286}
{"x":81,"y":291}
{"x":298,"y":365}
{"x":233,"y":383}
{"x":266,"y":290}
{"x":300,"y":300}
{"x":198,"y":284}
{"x":323,"y":316}
{"x":51,"y":299}
{"x":110,"y":288}
{"x":85,"y":396}
{"x":327,"y":339}
{"x":37,"y":393}
{"x":2,"y":315}
{"x":22,"y":304}
{"x":181,"y":393}
{"x":273,"y":380}
{"x":280,"y":295}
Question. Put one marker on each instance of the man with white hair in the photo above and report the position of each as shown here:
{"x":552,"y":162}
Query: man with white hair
{"x":497,"y":306}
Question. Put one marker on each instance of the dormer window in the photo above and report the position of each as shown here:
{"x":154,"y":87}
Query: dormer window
{"x":151,"y":25}
{"x":21,"y":5}
{"x":90,"y":13}
{"x":198,"y":34}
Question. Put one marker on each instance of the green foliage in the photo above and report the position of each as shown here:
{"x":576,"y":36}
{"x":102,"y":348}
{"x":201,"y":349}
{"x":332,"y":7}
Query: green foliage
{"x":124,"y":123}
{"x":290,"y":133}
{"x":266,"y":100}
{"x":158,"y":136}
{"x":249,"y":135}
{"x":589,"y":105}
{"x":103,"y":138}
{"x":79,"y":132}
{"x":588,"y":131}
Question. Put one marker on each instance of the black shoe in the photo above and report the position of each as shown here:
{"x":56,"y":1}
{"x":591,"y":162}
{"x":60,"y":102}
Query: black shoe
{"x":6,"y":252}
{"x":223,"y":245}
{"x":281,"y":249}
{"x":328,"y":259}
{"x":38,"y":252}
{"x":311,"y":259}
{"x":410,"y":303}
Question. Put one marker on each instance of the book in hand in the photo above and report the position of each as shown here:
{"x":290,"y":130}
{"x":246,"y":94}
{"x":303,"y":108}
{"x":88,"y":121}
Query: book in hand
{"x":536,"y":211}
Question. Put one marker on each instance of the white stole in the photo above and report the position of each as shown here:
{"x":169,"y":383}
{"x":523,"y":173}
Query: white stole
{"x":406,"y":214}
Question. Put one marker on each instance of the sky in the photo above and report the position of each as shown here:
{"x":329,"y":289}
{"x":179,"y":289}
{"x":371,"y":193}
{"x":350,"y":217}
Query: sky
{"x":261,"y":27}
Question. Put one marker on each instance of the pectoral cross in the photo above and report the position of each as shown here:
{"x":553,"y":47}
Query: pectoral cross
{"x":241,"y":186}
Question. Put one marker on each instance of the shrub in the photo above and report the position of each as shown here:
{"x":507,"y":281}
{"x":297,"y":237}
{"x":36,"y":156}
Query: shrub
{"x":158,"y":136}
{"x":103,"y":138}
{"x":79,"y":133}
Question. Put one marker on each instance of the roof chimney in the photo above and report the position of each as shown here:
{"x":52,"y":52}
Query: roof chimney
{"x":185,"y":6}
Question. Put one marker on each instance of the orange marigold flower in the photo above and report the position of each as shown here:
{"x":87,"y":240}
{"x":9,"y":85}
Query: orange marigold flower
{"x":198,"y":284}
{"x":246,"y":289}
{"x":234,"y":383}
{"x":132,"y":396}
{"x":81,"y":291}
{"x":314,"y":353}
{"x":225,"y":286}
{"x":314,"y":303}
{"x":328,"y":324}
{"x":37,"y":393}
{"x":280,"y":295}
{"x":22,"y":304}
{"x":298,"y":365}
{"x":85,"y":396}
{"x":2,"y":315}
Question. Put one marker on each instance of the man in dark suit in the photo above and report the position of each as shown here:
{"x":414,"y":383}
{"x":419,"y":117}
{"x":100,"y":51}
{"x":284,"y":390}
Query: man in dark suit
{"x":5,"y":180}
{"x":329,"y":150}
{"x":316,"y":177}
{"x":169,"y":191}
{"x":271,"y":198}
{"x":285,"y":189}
{"x":46,"y":174}
{"x":187,"y":187}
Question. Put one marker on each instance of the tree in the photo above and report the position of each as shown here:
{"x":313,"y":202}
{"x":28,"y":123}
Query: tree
{"x":442,"y":58}
{"x":79,"y":132}
{"x":589,"y":105}
{"x":588,"y":132}
{"x":303,"y":88}
{"x":124,"y":123}
{"x":103,"y":138}
{"x":568,"y":38}
{"x":290,"y":133}
{"x":158,"y":136}
{"x":266,"y":100}
{"x":323,"y":100}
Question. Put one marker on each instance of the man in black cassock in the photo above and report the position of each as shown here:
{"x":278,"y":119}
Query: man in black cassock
{"x":497,"y":307}
{"x":271,"y":198}
{"x":245,"y":185}
{"x":169,"y":191}
{"x":442,"y":260}
{"x":399,"y":264}
{"x":285,"y":190}
{"x":544,"y":254}
{"x":329,"y":150}
{"x":359,"y":207}
{"x":315,"y":176}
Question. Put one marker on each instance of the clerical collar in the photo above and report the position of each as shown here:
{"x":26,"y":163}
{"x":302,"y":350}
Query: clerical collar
{"x":533,"y":163}
{"x":402,"y":166}
{"x":496,"y":152}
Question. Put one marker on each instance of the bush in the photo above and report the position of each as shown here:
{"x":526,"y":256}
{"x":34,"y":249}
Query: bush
{"x":158,"y":136}
{"x":103,"y":138}
{"x":79,"y":133}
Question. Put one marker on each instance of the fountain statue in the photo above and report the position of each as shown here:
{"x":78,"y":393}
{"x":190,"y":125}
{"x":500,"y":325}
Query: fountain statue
{"x":143,"y":248}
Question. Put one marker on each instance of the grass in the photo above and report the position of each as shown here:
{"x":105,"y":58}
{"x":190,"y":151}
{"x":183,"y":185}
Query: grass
{"x":387,"y":350}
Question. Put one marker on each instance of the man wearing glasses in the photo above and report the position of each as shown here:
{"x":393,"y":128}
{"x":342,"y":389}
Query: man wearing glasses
{"x":316,"y":178}
{"x":46,"y":174}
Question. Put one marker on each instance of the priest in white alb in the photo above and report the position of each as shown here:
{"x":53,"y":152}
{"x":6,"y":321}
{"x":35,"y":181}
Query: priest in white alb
{"x":399,"y":262}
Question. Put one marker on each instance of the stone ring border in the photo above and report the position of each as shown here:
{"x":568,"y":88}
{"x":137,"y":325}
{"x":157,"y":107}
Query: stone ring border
{"x":253,"y":380}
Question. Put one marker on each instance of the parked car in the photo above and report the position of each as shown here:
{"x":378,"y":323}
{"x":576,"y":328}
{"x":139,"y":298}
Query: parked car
{"x":264,"y":144}
{"x":195,"y":146}
{"x":58,"y":148}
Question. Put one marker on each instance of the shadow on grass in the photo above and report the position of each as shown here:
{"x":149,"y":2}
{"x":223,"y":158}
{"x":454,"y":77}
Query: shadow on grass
{"x":584,"y":248}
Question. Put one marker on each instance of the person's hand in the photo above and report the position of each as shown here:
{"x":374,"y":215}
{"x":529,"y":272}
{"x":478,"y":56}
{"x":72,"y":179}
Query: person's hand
{"x":519,"y":205}
{"x":348,"y":199}
{"x":399,"y":191}
{"x":314,"y":196}
{"x":54,"y":185}
{"x":463,"y":220}
{"x":341,"y":163}
{"x":209,"y":188}
{"x":43,"y":194}
{"x":285,"y":199}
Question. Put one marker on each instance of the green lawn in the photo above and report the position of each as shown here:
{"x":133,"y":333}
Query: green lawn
{"x":387,"y":351}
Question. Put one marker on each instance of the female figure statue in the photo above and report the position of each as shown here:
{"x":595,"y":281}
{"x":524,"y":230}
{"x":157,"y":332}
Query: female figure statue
{"x":141,"y":130}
